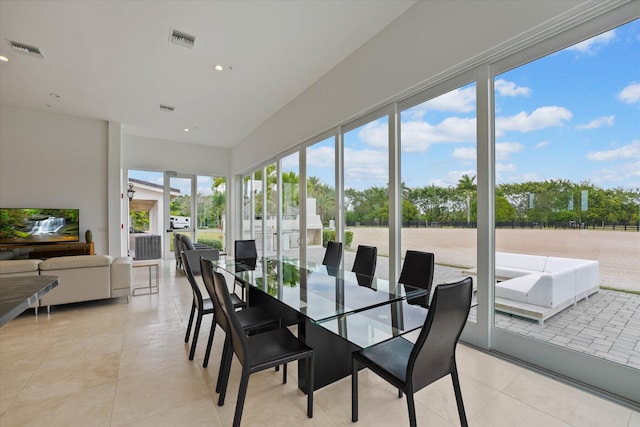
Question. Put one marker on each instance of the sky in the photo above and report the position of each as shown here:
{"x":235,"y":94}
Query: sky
{"x":574,"y":114}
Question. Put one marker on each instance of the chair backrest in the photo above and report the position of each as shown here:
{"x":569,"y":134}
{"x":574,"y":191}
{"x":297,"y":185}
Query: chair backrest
{"x":197,"y":295}
{"x":433,"y":355}
{"x":245,"y":249}
{"x":195,"y":255}
{"x":417,"y":270}
{"x":207,"y":268}
{"x":239,"y":338}
{"x":333,"y":254}
{"x":186,"y":241}
{"x":366,"y":259}
{"x":177,"y":247}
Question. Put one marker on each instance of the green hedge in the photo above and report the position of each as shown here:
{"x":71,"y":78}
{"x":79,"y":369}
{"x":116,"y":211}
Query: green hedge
{"x":330,"y":235}
{"x":215,"y":244}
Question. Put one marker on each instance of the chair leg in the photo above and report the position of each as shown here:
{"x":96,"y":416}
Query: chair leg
{"x":193,"y":310}
{"x":284,"y":374}
{"x":310,"y":384}
{"x":207,"y":353}
{"x":399,"y":393}
{"x":223,"y":363}
{"x":242,"y":393}
{"x":458,"y":392}
{"x":412,"y":410}
{"x":224,"y":377}
{"x":196,"y":331}
{"x":354,"y":390}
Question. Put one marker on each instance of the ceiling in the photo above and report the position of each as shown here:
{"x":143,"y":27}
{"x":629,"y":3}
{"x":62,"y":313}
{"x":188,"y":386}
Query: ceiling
{"x":112,"y":60}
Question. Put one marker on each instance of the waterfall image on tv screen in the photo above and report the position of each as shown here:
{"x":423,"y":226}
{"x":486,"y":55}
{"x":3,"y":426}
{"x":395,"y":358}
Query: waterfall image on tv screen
{"x":23,"y":226}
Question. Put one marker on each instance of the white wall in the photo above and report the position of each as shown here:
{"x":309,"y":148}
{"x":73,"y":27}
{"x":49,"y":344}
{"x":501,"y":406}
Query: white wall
{"x":426,"y":41}
{"x":50,"y":160}
{"x":159,"y":155}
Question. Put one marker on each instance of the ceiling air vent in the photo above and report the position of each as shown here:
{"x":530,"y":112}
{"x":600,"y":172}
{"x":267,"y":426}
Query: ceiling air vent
{"x":182,"y":39}
{"x":25,"y":49}
{"x":167,"y":108}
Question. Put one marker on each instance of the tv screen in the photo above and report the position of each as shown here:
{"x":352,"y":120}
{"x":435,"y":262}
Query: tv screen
{"x":25,"y":226}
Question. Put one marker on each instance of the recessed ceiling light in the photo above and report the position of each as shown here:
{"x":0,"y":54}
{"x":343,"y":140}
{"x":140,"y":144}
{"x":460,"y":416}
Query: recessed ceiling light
{"x":219,"y":67}
{"x":186,"y":129}
{"x":4,"y":58}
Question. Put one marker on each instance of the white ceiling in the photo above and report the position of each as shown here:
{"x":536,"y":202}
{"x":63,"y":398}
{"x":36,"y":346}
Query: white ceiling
{"x":111,"y":60}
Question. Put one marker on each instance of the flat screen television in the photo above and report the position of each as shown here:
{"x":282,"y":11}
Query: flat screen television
{"x":27,"y":226}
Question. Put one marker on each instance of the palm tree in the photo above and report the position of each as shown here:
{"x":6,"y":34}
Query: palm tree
{"x":465,"y":183}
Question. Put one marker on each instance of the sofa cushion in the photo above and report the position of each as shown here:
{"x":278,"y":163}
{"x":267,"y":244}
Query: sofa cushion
{"x":12,"y":266}
{"x":520,"y":261}
{"x":78,"y":261}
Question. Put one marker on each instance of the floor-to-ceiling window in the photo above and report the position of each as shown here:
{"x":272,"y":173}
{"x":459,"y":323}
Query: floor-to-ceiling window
{"x":289,"y":232}
{"x":321,"y":197}
{"x":211,"y":203}
{"x":567,"y":192}
{"x":366,"y":191}
{"x":549,"y":156}
{"x":438,"y":180}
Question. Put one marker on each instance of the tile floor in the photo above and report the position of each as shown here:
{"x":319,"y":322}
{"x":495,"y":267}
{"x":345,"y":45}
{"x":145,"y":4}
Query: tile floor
{"x":118,"y":364}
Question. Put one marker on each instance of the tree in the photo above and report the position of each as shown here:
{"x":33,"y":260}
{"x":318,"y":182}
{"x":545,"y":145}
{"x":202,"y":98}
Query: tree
{"x":466,"y":185}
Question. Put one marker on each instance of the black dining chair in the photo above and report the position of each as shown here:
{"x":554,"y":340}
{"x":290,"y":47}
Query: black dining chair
{"x":411,"y":367}
{"x":200,"y":305}
{"x":366,"y":259}
{"x":333,"y":254}
{"x":252,"y":319}
{"x":417,"y":271}
{"x":244,"y":251}
{"x":177,"y":249}
{"x":259,"y":352}
{"x":195,"y":255}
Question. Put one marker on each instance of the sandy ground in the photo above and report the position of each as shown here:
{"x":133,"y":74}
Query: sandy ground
{"x":617,"y":251}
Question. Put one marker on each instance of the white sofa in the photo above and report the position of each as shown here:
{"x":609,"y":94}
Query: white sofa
{"x":538,"y":287}
{"x":82,"y":277}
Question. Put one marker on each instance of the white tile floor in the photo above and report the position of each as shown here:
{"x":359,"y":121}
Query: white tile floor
{"x":118,"y":364}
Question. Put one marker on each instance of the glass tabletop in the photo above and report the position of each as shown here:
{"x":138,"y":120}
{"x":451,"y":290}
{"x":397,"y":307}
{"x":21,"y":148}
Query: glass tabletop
{"x":375,"y":325}
{"x":314,"y":290}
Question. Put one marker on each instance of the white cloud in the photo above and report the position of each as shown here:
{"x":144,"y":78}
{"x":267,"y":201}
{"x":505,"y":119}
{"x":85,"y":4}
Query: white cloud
{"x":506,"y":88}
{"x":505,"y":167}
{"x":451,"y":178}
{"x":592,"y":45}
{"x":465,"y":154}
{"x":629,"y":151}
{"x":630,"y":94}
{"x":417,"y":136}
{"x":366,"y":167}
{"x":321,"y":157}
{"x":541,"y":118}
{"x":598,"y":122}
{"x":542,"y":144}
{"x":626,"y":173}
{"x":455,"y":101}
{"x":505,"y":149}
{"x":375,"y":134}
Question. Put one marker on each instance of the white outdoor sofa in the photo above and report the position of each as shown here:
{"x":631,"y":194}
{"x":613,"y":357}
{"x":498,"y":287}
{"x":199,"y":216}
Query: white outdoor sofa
{"x":538,"y":287}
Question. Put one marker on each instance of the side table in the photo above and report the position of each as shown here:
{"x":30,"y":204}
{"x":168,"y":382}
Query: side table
{"x":151,"y":289}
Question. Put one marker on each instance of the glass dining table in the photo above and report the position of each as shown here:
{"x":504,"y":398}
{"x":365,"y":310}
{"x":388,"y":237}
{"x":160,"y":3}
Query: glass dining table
{"x":336,"y":311}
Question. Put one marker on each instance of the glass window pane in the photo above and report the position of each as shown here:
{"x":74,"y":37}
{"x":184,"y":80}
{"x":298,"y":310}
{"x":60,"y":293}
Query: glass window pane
{"x":366,"y":192}
{"x":321,"y":197}
{"x":567,"y":197}
{"x":210,"y":211}
{"x":290,"y":232}
{"x":438,"y":173}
